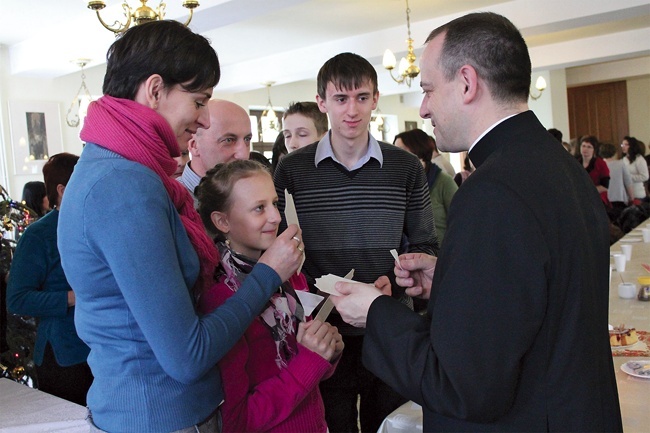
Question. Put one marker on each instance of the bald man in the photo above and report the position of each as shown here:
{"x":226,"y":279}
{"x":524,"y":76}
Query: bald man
{"x":228,"y":138}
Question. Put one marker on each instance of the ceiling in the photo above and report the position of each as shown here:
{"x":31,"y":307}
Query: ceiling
{"x":287,"y":41}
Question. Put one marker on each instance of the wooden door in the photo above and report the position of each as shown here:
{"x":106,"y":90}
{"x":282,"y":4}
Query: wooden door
{"x":600,"y":110}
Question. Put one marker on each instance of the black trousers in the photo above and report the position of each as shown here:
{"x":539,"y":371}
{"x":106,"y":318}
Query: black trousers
{"x":351,"y":382}
{"x":70,"y":383}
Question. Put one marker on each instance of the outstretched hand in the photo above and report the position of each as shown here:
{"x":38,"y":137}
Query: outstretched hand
{"x":416,"y":274}
{"x":354,"y":302}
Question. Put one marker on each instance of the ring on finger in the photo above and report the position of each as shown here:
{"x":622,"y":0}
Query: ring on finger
{"x":297,"y":239}
{"x":300,"y":249}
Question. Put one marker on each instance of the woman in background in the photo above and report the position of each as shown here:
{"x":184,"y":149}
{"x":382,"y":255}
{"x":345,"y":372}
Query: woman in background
{"x":441,"y":186}
{"x":468,"y":168}
{"x":38,"y":287}
{"x":35,"y":198}
{"x":636,"y":165}
{"x":595,"y":165}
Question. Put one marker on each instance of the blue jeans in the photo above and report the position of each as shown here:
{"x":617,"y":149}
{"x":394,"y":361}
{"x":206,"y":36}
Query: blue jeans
{"x":211,"y":425}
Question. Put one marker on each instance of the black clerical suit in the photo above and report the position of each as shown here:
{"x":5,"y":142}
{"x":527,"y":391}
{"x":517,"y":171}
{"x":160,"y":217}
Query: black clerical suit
{"x":517,"y":336}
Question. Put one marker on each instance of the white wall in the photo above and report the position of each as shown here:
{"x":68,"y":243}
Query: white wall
{"x":60,"y":91}
{"x":551,"y":108}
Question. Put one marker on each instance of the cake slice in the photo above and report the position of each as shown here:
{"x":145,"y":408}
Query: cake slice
{"x":622,"y":336}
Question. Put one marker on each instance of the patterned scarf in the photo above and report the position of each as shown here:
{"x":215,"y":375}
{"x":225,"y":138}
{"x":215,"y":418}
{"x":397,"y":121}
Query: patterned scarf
{"x":282,"y":312}
{"x":139,"y":134}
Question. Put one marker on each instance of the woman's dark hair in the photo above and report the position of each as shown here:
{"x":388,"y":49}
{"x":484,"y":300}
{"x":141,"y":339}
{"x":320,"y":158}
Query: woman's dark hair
{"x":57,"y":171}
{"x":494,"y":47}
{"x":607,"y":150}
{"x":556,"y":133}
{"x":215,"y":188}
{"x":347,"y":71}
{"x":259,"y":157}
{"x":633,"y":148}
{"x":33,"y":194}
{"x":467,"y":163}
{"x":279,"y":151}
{"x":419,"y":143}
{"x":166,"y":48}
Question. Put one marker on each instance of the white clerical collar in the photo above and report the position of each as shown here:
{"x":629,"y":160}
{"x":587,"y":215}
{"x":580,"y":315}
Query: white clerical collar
{"x":490,"y":129}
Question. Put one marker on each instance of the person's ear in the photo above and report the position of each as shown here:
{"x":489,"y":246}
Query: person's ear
{"x":469,"y":83}
{"x":375,"y":100}
{"x":220,"y":221}
{"x":150,"y":91}
{"x":321,"y":104}
{"x":192,"y":146}
{"x":60,"y":189}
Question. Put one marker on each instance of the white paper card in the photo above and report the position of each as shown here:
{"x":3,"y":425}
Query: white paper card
{"x":396,"y":257}
{"x":326,"y":283}
{"x":291,"y":216}
{"x":290,"y":213}
{"x":309,"y":301}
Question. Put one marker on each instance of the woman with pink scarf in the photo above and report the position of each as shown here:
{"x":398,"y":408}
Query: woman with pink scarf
{"x":135,"y":251}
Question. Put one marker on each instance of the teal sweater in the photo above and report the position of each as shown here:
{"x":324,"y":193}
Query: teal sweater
{"x":131,"y":264}
{"x":37,"y":287}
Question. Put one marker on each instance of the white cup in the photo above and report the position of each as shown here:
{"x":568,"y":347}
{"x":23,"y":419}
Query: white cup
{"x":619,"y":262}
{"x":646,"y":235}
{"x":627,"y":290}
{"x":627,"y":250}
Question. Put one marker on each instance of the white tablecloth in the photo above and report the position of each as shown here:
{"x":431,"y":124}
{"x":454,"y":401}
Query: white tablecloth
{"x":406,"y":418}
{"x":28,"y":410}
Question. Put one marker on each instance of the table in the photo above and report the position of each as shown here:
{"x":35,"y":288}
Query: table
{"x":27,"y":410}
{"x":633,"y":393}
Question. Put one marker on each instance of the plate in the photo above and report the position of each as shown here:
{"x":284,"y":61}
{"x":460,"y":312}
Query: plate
{"x":631,"y":240}
{"x":627,"y":346}
{"x":635,"y":368}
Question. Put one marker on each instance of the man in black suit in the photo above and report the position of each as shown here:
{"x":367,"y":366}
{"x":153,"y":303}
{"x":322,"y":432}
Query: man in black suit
{"x":515,"y":338}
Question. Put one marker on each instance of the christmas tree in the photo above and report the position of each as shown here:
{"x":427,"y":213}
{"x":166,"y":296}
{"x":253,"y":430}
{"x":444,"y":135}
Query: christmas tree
{"x":17,"y":333}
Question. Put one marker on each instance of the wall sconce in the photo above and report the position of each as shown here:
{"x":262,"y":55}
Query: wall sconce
{"x":540,"y":85}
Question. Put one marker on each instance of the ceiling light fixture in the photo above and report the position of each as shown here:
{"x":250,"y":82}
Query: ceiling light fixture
{"x":140,"y":15}
{"x":540,"y":85}
{"x":269,"y":119}
{"x":407,"y":70}
{"x":72,"y":118}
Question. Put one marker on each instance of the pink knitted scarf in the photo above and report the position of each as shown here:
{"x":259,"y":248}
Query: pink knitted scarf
{"x":139,"y":134}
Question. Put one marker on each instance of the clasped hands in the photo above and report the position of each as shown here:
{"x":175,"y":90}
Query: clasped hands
{"x":322,"y":338}
{"x":414,"y":271}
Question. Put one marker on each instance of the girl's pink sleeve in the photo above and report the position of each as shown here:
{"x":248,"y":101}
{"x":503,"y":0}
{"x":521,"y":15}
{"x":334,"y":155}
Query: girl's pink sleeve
{"x":263,"y":406}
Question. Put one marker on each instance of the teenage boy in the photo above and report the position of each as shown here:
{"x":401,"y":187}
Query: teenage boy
{"x":304,"y":124}
{"x":356,"y":199}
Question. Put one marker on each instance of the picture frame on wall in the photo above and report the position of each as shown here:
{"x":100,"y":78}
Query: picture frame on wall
{"x":35,"y":129}
{"x":410,"y":125}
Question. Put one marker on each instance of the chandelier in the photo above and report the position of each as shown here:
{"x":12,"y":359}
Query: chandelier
{"x":407,"y":69}
{"x":140,"y":15}
{"x":269,"y":119}
{"x":82,"y":97}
